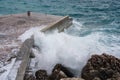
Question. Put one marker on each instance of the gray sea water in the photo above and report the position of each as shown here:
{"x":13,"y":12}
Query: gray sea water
{"x":91,"y":16}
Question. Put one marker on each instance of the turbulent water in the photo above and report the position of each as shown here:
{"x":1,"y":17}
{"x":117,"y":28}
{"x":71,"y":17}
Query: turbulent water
{"x":96,"y":29}
{"x":67,"y":49}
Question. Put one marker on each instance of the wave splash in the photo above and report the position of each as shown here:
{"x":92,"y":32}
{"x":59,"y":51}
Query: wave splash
{"x":71,"y":51}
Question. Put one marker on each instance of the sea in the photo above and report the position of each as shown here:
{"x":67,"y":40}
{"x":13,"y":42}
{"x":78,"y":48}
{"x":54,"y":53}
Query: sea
{"x":95,"y":30}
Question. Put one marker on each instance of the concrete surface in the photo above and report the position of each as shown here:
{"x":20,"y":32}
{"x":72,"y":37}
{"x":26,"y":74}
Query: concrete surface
{"x":11,"y":26}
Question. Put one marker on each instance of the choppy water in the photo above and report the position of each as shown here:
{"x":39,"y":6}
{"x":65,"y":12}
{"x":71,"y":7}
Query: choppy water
{"x":92,"y":16}
{"x":96,"y":24}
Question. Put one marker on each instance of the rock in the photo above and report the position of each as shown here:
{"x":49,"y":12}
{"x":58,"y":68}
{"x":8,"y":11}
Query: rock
{"x":116,"y":76}
{"x":29,"y":77}
{"x":102,"y":67}
{"x":72,"y":79}
{"x":57,"y":75}
{"x":59,"y":72}
{"x":60,"y":67}
{"x":41,"y":75}
{"x":96,"y":78}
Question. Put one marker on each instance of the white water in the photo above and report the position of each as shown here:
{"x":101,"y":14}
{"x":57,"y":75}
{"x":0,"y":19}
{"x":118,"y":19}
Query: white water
{"x":7,"y":69}
{"x":30,"y":32}
{"x":71,"y":51}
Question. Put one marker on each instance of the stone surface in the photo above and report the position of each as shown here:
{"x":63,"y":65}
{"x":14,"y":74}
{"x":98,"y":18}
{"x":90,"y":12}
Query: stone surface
{"x":72,"y":79}
{"x":60,"y":67}
{"x":24,"y":55}
{"x":41,"y":75}
{"x":102,"y":67}
{"x":12,"y":26}
{"x":29,"y":77}
{"x":59,"y":72}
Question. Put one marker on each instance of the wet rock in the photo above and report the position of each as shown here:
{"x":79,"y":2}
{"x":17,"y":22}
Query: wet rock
{"x":116,"y":76}
{"x":60,"y":67}
{"x":41,"y":75}
{"x":72,"y":79}
{"x":102,"y":67}
{"x":29,"y":77}
{"x":59,"y":72}
{"x":57,"y":75}
{"x":96,"y":78}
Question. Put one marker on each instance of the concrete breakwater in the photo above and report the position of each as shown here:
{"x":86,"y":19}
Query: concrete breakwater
{"x":12,"y":26}
{"x":24,"y":53}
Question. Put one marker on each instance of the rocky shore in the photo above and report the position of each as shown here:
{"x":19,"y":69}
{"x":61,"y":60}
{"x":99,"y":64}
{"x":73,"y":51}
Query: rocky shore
{"x":102,"y":67}
{"x":98,"y":67}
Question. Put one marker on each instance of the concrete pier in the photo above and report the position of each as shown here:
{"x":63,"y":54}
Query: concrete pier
{"x":12,"y":26}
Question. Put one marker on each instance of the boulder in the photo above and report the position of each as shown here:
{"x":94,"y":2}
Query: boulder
{"x":59,"y":71}
{"x":116,"y":76}
{"x":29,"y":77}
{"x":101,"y":67}
{"x":41,"y":75}
{"x":61,"y":67}
{"x":96,"y":78}
{"x":72,"y":79}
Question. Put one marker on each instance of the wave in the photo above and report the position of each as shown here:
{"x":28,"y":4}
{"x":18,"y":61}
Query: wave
{"x":70,"y":50}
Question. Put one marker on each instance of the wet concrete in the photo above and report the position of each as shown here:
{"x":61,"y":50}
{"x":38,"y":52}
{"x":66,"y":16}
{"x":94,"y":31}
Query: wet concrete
{"x":12,"y":26}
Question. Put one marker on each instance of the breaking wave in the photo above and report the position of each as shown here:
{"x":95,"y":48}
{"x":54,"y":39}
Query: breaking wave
{"x":70,"y":49}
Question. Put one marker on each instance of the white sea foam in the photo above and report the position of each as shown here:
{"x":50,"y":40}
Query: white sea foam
{"x":71,"y":51}
{"x":30,"y":32}
{"x":68,"y":50}
{"x":7,"y":69}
